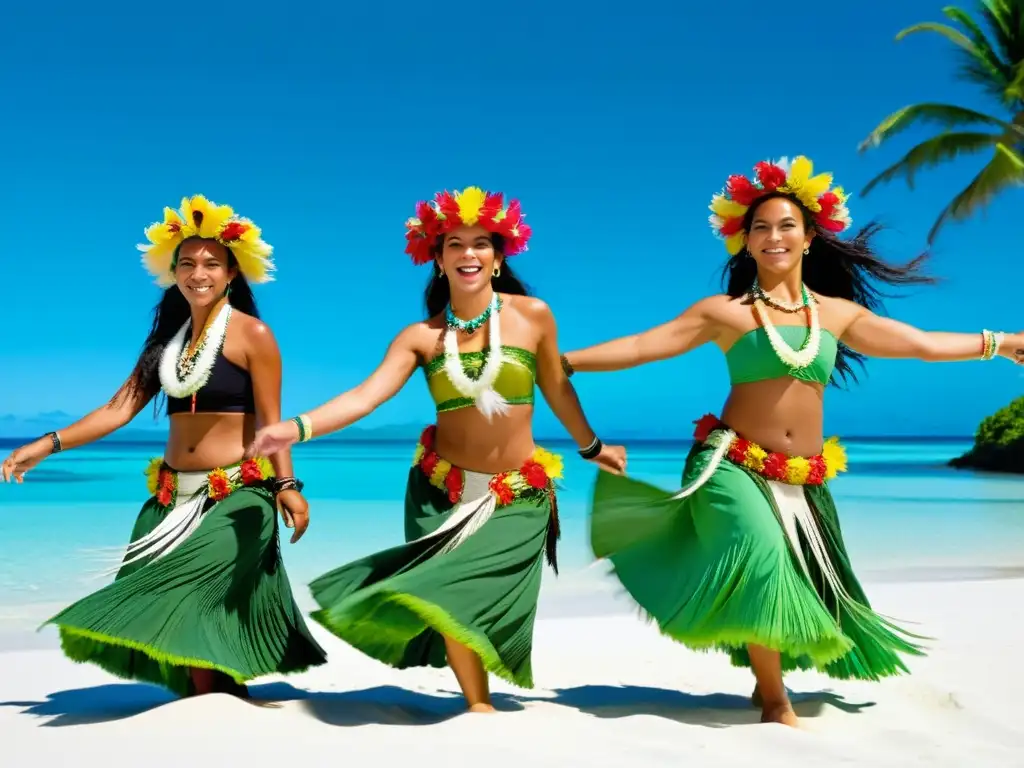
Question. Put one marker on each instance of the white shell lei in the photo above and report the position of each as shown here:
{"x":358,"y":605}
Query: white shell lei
{"x":793,"y":358}
{"x":173,"y":354}
{"x":481,"y":390}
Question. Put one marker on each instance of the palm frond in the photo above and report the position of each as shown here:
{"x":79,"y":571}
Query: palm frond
{"x":998,"y":15}
{"x":975,"y":45}
{"x":1004,"y":170}
{"x":946,"y":115}
{"x":932,"y":152}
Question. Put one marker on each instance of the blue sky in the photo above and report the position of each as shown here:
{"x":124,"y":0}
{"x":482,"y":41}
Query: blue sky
{"x":326,"y":125}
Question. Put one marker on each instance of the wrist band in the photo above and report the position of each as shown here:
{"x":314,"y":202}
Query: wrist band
{"x":305,"y":427}
{"x":990,"y":343}
{"x":566,"y":365}
{"x":288,"y":484}
{"x":591,"y":450}
{"x":55,"y":439}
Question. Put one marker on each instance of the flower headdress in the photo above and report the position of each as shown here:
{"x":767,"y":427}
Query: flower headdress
{"x":826,"y":203}
{"x":471,"y":206}
{"x":199,"y":217}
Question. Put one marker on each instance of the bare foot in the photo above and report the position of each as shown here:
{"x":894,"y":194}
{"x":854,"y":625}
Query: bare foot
{"x":482,"y":709}
{"x":780,"y":713}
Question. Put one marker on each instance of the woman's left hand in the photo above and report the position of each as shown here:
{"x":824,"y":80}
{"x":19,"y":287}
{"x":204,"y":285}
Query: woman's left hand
{"x":612,"y":458}
{"x":295,"y":511}
{"x":1012,"y":347}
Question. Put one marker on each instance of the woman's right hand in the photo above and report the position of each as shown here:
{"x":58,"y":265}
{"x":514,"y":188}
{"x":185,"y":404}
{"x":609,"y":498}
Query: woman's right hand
{"x":24,"y":458}
{"x":273,"y":438}
{"x":1012,"y":348}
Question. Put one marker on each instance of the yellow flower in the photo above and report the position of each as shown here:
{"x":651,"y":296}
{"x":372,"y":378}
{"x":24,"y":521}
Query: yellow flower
{"x":796,"y":470}
{"x":266,"y":468}
{"x":806,"y":188}
{"x":551,"y":462}
{"x":152,"y":474}
{"x":835,"y":457}
{"x":202,"y":217}
{"x":755,"y":457}
{"x":417,"y":455}
{"x":440,"y":473}
{"x":470,"y":201}
{"x":727,"y":209}
{"x":734,"y":243}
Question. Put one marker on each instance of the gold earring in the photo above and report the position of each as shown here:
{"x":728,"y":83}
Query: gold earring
{"x":496,"y":272}
{"x":440,"y":271}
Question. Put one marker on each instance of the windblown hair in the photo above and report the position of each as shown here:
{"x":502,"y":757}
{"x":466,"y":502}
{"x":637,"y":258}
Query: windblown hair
{"x":439,"y":292}
{"x":168,"y":316}
{"x":846,"y":269}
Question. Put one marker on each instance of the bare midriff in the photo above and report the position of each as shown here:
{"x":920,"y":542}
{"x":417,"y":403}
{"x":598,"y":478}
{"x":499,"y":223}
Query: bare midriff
{"x":466,"y":439}
{"x":784,"y":415}
{"x":202,"y":441}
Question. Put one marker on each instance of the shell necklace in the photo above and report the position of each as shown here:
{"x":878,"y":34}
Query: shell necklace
{"x":480,"y":390}
{"x":182,"y":374}
{"x":795,"y":359}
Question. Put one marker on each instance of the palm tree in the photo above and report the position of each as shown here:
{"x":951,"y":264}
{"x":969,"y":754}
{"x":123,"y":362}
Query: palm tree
{"x":996,"y":64}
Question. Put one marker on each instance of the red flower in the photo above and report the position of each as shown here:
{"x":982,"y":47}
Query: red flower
{"x":164,"y":496}
{"x":742,"y":190}
{"x":534,"y":474}
{"x":738,"y":450}
{"x":429,"y":463}
{"x":453,"y":482}
{"x":251,"y":472}
{"x":220,"y":486}
{"x":770,"y":175}
{"x":427,"y":438}
{"x":774,"y":466}
{"x":705,"y":424}
{"x":491,"y":207}
{"x":233,"y":230}
{"x":731,"y":226}
{"x":449,"y":208}
{"x":500,"y":489}
{"x":816,"y":475}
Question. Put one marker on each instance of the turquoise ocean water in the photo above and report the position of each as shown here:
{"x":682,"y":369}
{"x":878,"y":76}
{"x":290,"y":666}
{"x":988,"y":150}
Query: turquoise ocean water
{"x":904,"y":513}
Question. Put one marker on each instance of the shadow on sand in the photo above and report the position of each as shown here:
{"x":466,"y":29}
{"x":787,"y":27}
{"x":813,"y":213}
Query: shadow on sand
{"x":390,"y":705}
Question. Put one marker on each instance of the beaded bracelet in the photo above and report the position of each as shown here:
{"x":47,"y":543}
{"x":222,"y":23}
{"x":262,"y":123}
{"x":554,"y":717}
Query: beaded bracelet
{"x":282,"y":484}
{"x":591,"y":450}
{"x":305,"y":427}
{"x":55,"y":441}
{"x":990,"y":343}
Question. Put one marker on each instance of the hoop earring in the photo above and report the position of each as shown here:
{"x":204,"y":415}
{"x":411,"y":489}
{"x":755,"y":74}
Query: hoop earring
{"x":807,"y":251}
{"x":496,"y":272}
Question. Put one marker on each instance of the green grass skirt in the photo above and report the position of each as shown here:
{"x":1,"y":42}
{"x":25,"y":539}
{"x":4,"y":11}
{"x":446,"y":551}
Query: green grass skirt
{"x":716,"y":571}
{"x":395,"y":605}
{"x":220,"y":601}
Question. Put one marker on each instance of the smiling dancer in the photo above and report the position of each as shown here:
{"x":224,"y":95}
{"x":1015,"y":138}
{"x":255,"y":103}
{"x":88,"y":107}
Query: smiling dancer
{"x":749,"y":557}
{"x":480,"y":507}
{"x":201,"y":602}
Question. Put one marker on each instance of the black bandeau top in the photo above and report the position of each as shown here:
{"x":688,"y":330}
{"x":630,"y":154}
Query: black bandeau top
{"x":228,"y":390}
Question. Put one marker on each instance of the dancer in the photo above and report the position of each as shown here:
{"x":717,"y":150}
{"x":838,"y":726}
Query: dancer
{"x":480,"y":507}
{"x":200,"y":602}
{"x":749,"y":557}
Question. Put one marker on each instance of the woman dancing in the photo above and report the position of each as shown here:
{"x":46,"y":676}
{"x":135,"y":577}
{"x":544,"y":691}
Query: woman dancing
{"x":480,"y":507}
{"x":748,"y":557}
{"x":201,"y":602}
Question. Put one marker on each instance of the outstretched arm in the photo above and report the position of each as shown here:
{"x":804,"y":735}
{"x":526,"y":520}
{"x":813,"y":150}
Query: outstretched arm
{"x":124,"y":406}
{"x":384,"y":383}
{"x":691,"y":329}
{"x":348,"y":407}
{"x":875,"y":336}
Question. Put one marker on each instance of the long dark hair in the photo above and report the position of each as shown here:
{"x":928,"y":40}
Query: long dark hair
{"x":169,"y":315}
{"x":439,"y":292}
{"x":846,"y":269}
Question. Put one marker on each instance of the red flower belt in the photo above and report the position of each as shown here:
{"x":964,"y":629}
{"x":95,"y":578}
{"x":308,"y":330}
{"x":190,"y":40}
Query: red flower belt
{"x":221,"y":482}
{"x":537,"y":473}
{"x":794,"y":470}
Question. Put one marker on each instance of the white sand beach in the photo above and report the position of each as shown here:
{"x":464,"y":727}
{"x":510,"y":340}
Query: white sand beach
{"x":611,"y":692}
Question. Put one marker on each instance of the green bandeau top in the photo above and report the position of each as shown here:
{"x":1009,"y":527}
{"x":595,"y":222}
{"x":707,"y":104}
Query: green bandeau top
{"x":752,"y":358}
{"x":515,"y":379}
